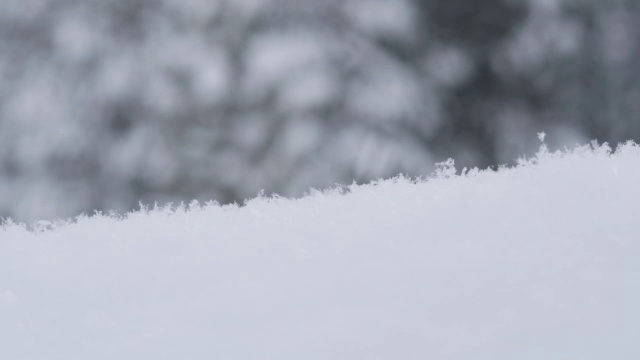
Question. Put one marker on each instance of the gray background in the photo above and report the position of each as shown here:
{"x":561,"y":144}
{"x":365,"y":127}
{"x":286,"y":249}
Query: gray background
{"x":106,"y":103}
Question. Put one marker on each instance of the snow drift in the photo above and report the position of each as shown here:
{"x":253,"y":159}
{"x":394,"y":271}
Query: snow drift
{"x":538,"y":261}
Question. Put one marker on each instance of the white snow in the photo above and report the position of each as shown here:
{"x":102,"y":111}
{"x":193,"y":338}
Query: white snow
{"x":539,"y":261}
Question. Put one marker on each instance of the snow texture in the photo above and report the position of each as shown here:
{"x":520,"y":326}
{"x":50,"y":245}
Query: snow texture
{"x":538,"y":261}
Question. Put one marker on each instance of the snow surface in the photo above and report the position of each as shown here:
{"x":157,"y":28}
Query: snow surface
{"x":538,"y":261}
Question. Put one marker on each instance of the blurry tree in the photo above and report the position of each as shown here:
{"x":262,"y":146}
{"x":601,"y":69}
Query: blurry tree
{"x":104,"y":103}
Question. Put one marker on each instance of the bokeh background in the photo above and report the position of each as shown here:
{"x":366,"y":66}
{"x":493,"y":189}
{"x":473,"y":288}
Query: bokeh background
{"x":106,"y":103}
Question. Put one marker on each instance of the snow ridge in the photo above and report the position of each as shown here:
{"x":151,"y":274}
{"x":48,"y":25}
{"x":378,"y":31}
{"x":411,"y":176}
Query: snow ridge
{"x":539,"y":260}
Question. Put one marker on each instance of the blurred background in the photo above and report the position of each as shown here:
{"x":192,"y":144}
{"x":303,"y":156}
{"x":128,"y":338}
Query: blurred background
{"x":106,"y":103}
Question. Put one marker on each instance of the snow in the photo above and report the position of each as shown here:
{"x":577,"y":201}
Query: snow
{"x":538,"y":261}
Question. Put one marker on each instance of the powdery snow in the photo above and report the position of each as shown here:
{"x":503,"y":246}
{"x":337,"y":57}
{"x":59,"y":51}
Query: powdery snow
{"x":539,"y":261}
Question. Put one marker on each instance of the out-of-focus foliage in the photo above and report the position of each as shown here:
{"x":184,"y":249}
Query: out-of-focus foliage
{"x":105,"y":103}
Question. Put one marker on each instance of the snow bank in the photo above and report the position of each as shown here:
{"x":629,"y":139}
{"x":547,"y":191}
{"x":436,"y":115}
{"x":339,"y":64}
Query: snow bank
{"x":539,"y":261}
